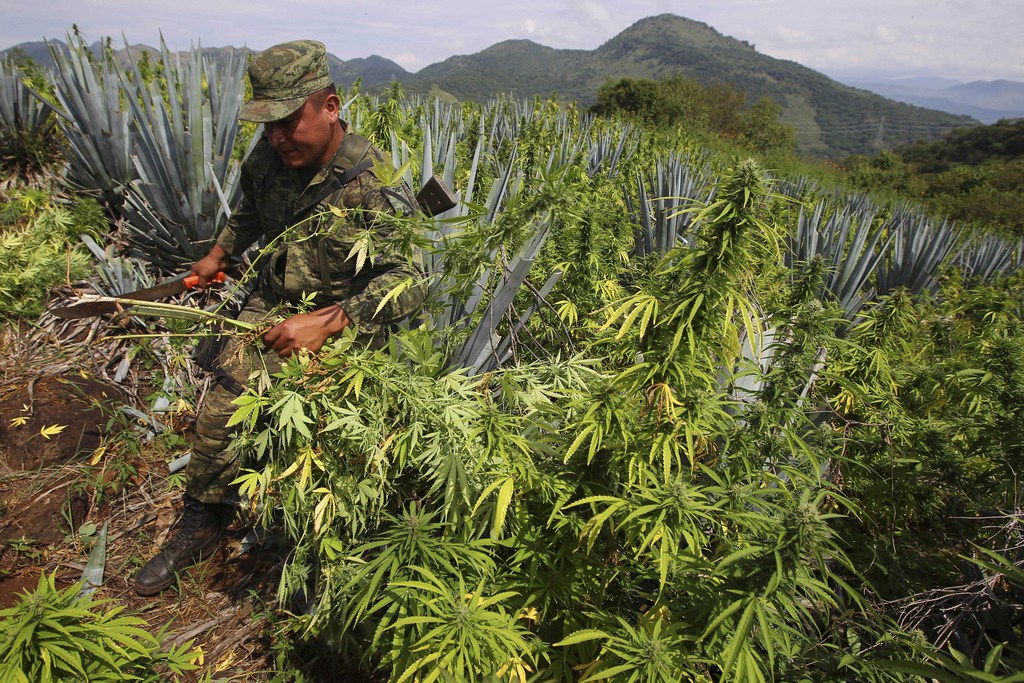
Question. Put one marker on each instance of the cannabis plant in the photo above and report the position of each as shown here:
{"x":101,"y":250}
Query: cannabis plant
{"x":39,"y":248}
{"x":682,"y":487}
{"x":55,"y":634}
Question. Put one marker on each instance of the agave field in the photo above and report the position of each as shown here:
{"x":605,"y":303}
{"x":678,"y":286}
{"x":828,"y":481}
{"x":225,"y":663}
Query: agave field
{"x":667,"y":415}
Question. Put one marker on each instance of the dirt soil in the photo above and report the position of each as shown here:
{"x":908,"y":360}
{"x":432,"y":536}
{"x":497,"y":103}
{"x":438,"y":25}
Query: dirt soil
{"x":52,"y":420}
{"x":88,"y":473}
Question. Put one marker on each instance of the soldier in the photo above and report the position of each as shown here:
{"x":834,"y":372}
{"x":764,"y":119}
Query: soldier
{"x":308,"y":191}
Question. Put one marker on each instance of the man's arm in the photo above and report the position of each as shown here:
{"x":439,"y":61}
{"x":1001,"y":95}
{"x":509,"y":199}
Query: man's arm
{"x":382,"y":273}
{"x":393,"y":265}
{"x":307,"y":330}
{"x":244,"y":226}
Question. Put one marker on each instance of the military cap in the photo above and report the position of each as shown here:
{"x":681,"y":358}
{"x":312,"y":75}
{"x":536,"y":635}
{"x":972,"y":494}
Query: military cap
{"x":282,"y":77}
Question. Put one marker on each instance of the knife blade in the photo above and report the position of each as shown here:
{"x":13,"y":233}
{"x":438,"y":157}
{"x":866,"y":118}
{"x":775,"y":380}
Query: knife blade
{"x":88,"y":309}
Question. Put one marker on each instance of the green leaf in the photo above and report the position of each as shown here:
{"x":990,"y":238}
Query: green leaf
{"x":581,"y":636}
{"x":502,"y":506}
{"x":739,"y":642}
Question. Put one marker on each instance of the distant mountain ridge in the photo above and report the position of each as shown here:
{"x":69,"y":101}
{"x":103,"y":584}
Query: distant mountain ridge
{"x":831,"y":119}
{"x":375,"y":71}
{"x":987,"y":101}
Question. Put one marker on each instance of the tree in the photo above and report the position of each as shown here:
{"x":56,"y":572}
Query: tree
{"x":635,"y":98}
{"x":764,"y":132}
{"x":719,"y":108}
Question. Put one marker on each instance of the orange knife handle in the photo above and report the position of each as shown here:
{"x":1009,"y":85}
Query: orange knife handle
{"x":192,"y":280}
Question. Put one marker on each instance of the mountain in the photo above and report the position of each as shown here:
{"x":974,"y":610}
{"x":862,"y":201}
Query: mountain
{"x":374,"y":71}
{"x":987,"y":101}
{"x":831,"y":119}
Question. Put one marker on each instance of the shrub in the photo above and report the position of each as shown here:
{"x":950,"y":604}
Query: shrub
{"x":39,"y":248}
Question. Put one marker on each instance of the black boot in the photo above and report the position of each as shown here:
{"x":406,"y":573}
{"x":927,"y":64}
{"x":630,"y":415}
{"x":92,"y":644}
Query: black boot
{"x":198,"y":535}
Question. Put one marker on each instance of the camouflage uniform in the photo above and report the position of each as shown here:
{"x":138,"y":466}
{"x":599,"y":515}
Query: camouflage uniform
{"x":311,"y":214}
{"x":311,"y":238}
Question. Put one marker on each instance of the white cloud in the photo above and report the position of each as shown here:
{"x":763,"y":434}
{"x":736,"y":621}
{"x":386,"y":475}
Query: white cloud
{"x":886,"y":34}
{"x":408,"y":61}
{"x":792,"y":36}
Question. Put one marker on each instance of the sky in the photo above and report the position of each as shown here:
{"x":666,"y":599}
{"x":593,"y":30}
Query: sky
{"x":850,"y":40}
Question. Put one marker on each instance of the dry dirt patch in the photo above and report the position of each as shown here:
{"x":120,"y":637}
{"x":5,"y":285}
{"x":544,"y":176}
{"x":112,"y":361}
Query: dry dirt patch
{"x":53,"y":420}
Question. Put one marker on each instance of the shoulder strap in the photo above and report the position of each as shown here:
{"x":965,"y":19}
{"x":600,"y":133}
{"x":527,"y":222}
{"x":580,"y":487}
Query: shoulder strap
{"x":354,"y":149}
{"x":354,"y":158}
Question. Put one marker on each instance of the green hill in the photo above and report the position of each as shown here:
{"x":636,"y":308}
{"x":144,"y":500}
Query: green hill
{"x":373,"y":71}
{"x":831,"y":119}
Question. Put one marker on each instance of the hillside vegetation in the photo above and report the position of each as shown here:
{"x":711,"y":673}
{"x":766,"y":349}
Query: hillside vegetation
{"x":831,"y":120}
{"x":973,"y":175}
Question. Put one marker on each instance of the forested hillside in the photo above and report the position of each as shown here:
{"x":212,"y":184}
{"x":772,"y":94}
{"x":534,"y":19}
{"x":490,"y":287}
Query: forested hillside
{"x":973,"y":175}
{"x":831,"y":119}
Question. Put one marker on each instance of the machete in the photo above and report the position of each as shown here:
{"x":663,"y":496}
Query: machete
{"x":88,"y":309}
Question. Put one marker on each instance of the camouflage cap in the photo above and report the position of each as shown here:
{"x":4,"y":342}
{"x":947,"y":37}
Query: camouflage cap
{"x":282,"y":77}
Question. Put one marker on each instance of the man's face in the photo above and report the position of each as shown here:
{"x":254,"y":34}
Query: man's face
{"x":307,"y":137}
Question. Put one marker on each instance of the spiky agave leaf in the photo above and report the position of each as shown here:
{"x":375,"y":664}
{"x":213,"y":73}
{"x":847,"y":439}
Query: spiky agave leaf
{"x":988,"y":257}
{"x":95,"y":121}
{"x":918,"y":251}
{"x":850,"y":243}
{"x":481,"y":351}
{"x":484,"y":348}
{"x":118,"y":275}
{"x":611,"y":147}
{"x":26,"y":123}
{"x":187,"y":180}
{"x":677,"y":183}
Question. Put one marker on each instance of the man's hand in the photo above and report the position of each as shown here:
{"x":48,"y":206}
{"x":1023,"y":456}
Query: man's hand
{"x":306,"y":330}
{"x":211,"y":264}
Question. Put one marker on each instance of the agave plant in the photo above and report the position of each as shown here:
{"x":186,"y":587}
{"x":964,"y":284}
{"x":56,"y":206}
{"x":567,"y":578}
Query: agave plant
{"x":118,"y":275}
{"x":95,"y":121}
{"x":918,"y":251}
{"x":849,"y":241}
{"x":484,"y":349}
{"x":989,"y":257}
{"x":26,"y":124}
{"x":611,"y":147}
{"x":187,"y":181}
{"x":679,"y":183}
